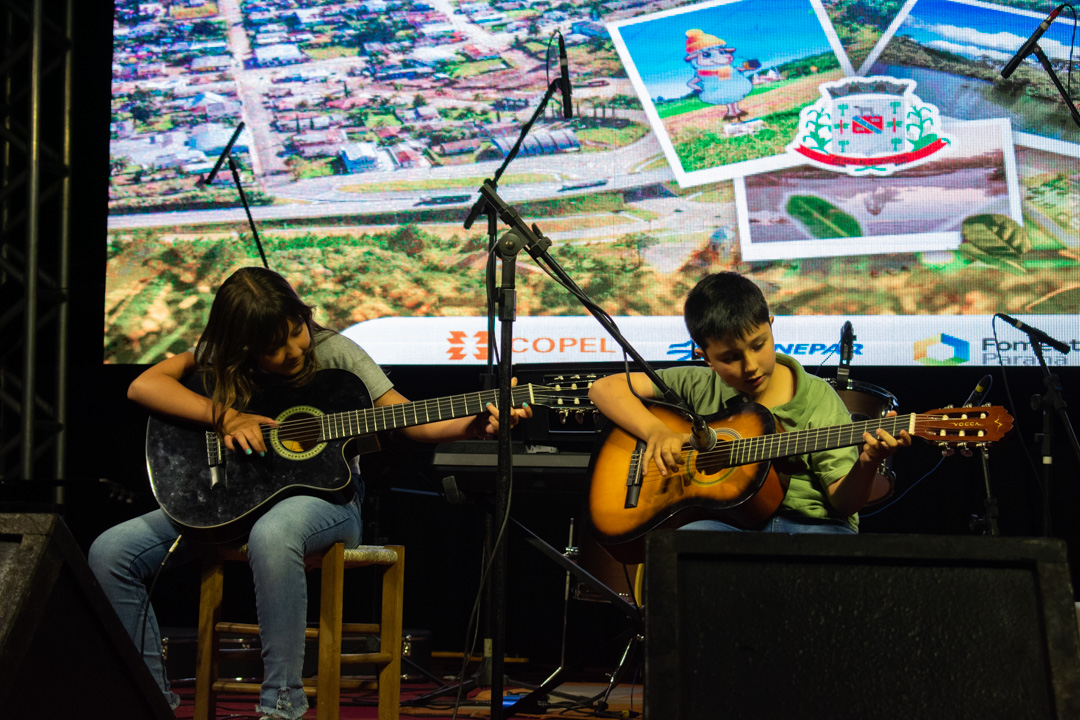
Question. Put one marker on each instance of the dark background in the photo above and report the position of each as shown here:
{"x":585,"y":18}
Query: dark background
{"x":444,"y":541}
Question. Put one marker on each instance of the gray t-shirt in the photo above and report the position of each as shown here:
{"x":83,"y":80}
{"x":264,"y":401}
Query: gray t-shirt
{"x":337,"y":351}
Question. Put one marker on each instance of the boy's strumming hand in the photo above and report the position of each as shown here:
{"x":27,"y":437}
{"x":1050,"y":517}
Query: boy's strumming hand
{"x":666,"y":448}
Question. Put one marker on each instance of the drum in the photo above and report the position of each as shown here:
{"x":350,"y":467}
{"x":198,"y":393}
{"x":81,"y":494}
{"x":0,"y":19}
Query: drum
{"x":867,"y":402}
{"x":591,"y":557}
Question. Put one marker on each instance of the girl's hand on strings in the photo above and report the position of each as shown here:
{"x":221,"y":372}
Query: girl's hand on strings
{"x":244,"y":432}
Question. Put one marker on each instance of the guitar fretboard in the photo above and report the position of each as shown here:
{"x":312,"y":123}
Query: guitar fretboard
{"x":336,"y":426}
{"x":769,"y":447}
{"x":309,"y":426}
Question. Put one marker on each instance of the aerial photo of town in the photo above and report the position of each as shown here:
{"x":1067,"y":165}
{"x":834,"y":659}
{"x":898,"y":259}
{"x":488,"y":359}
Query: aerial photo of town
{"x":369,"y":125}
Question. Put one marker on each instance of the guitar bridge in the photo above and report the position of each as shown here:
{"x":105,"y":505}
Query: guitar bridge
{"x":215,"y":460}
{"x":633,"y":477}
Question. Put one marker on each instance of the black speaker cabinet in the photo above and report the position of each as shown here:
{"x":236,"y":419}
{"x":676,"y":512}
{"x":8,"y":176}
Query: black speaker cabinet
{"x":754,"y":625}
{"x":63,"y":651}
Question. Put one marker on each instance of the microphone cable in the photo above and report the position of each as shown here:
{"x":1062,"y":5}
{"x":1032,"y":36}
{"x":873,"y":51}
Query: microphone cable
{"x":150,"y":592}
{"x":900,"y":497}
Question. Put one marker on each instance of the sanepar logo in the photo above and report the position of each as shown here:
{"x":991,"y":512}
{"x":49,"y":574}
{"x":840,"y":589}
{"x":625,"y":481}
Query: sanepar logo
{"x":685,"y":350}
{"x":942,"y":349}
{"x":815,"y":348}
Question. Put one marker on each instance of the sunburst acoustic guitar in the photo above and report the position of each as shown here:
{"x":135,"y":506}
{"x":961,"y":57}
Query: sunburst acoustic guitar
{"x":735,"y":481}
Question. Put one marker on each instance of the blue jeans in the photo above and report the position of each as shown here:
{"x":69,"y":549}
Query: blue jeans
{"x":124,"y":559}
{"x":782,"y":524}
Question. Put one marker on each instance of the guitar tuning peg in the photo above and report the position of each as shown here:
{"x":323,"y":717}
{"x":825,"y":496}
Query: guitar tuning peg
{"x":946,"y":450}
{"x":562,"y":417}
{"x":965,"y":450}
{"x":580,"y":417}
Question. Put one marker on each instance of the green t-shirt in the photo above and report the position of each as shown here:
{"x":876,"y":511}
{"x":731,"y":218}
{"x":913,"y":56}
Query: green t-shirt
{"x":815,"y":404}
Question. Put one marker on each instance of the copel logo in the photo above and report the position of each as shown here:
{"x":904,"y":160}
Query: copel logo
{"x":464,"y":346}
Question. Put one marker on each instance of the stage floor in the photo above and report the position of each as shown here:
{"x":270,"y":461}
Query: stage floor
{"x":569,"y":700}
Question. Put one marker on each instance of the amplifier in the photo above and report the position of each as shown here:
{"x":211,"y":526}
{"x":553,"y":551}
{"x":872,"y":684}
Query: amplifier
{"x":873,"y":627}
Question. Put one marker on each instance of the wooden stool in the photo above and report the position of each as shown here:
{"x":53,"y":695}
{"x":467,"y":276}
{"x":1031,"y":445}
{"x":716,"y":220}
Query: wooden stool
{"x":326,"y":686}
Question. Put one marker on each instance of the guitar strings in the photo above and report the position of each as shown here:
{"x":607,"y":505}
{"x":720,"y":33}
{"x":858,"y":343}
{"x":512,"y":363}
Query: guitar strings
{"x":310,"y":428}
{"x":749,"y":445}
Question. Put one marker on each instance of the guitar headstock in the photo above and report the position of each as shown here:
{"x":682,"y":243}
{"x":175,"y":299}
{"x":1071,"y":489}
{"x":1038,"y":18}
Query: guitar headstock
{"x":567,"y":395}
{"x":963,"y":426}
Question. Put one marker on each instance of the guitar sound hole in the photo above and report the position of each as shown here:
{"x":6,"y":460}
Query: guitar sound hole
{"x":299,"y":436}
{"x":708,"y":463}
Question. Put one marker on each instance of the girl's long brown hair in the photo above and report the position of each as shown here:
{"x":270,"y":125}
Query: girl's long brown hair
{"x":249,"y":318}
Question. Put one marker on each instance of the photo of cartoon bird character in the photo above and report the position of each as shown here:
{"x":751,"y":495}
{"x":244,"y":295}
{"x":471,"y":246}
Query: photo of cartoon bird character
{"x":715,"y":80}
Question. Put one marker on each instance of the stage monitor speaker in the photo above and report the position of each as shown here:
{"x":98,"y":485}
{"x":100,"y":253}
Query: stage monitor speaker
{"x":63,"y":650}
{"x":874,"y":627}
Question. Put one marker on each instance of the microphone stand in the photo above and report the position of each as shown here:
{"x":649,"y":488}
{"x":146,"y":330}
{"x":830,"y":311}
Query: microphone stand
{"x":537,"y":245}
{"x":1051,"y":400}
{"x":503,"y":301}
{"x":521,"y":236}
{"x":847,"y":351}
{"x":988,"y":523}
{"x":226,"y":154}
{"x":1045,"y":62}
{"x":247,"y":209}
{"x":481,"y":207}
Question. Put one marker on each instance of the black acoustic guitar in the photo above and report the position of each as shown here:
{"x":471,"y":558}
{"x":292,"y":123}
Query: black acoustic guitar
{"x":214,"y":495}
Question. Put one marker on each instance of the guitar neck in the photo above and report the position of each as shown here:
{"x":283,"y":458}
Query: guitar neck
{"x":778,"y":445}
{"x":352,"y":423}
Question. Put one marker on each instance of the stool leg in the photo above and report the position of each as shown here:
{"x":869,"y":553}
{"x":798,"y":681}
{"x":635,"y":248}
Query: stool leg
{"x":393,"y":593}
{"x":328,"y":692}
{"x":206,"y":649}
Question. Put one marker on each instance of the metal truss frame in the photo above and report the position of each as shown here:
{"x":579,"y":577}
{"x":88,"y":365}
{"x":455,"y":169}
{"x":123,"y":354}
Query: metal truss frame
{"x":35,"y":232}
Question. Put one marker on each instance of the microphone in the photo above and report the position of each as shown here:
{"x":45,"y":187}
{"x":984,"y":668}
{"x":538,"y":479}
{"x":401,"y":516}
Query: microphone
{"x":224,"y":154}
{"x":1029,"y":47}
{"x":564,"y":80}
{"x":478,"y":207}
{"x":702,"y":437}
{"x":979,"y":393}
{"x":847,"y":343}
{"x":1035,"y":334}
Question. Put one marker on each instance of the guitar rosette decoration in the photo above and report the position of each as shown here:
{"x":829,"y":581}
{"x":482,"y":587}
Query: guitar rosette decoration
{"x":869,"y":126}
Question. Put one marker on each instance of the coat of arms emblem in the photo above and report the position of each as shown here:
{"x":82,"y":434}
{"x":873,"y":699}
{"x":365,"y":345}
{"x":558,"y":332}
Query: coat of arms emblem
{"x":868,"y":126}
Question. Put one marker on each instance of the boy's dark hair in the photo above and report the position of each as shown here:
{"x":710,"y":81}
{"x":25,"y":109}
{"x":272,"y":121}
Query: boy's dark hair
{"x":724,"y":305}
